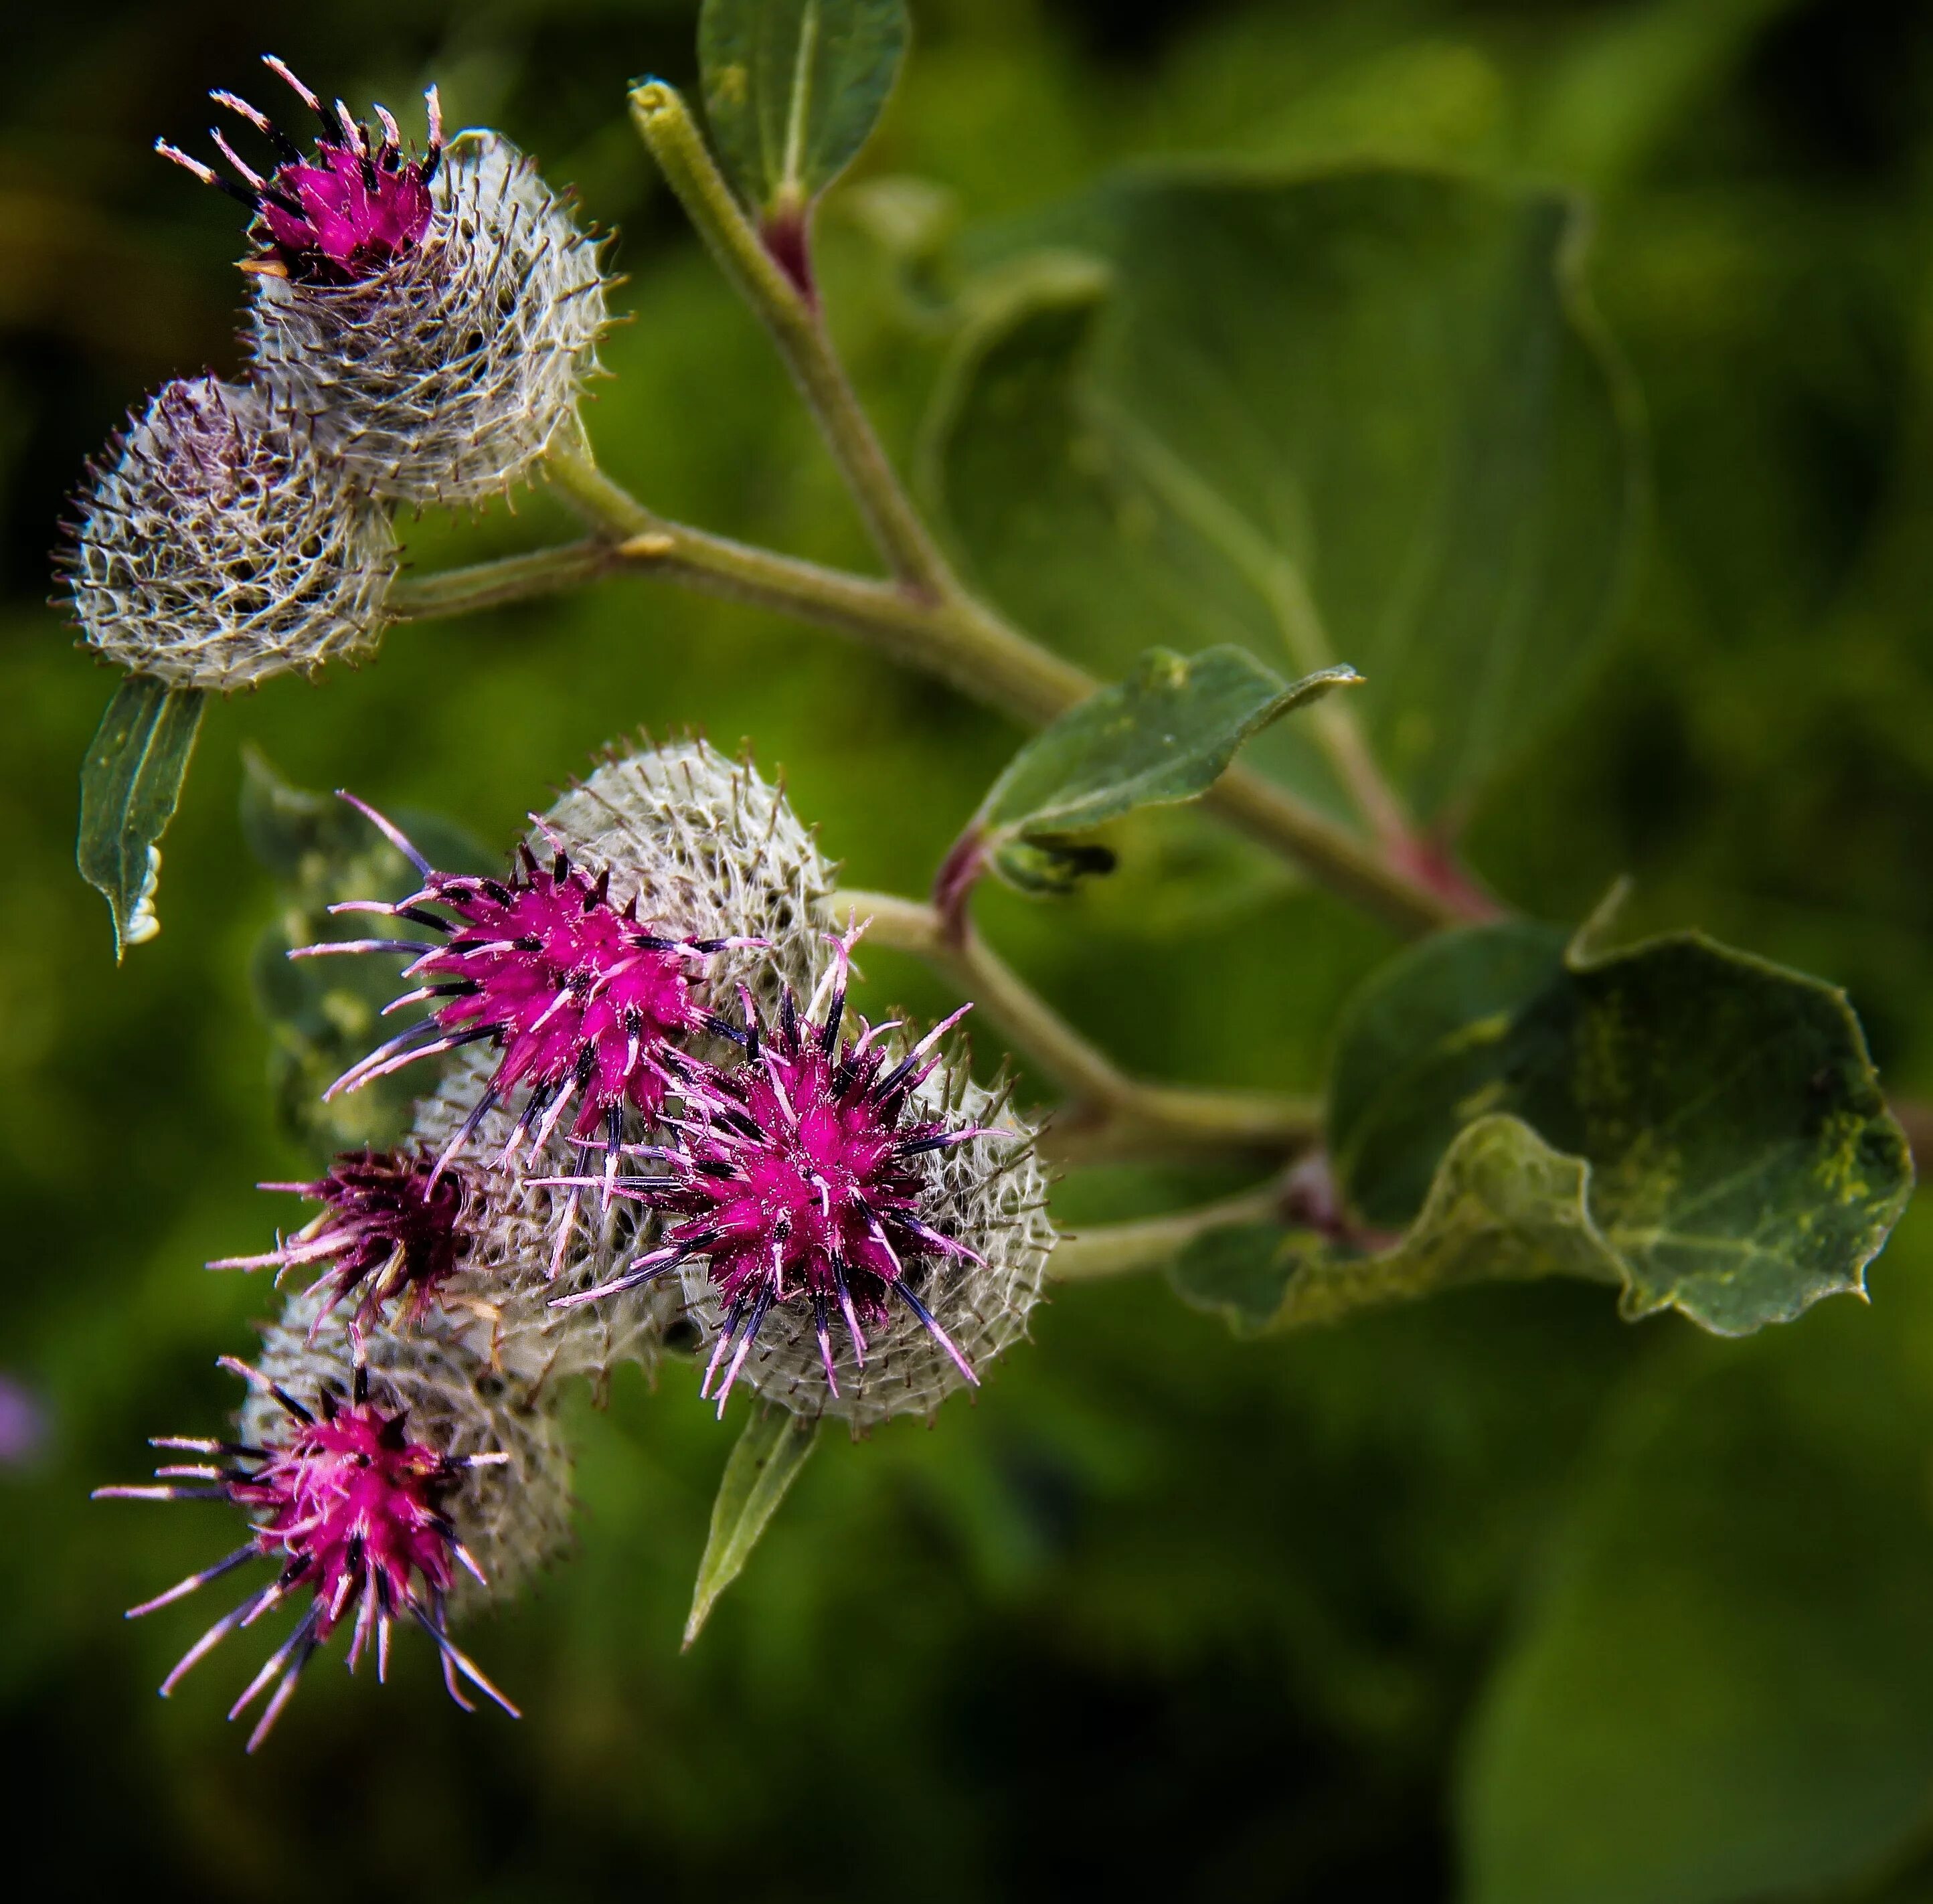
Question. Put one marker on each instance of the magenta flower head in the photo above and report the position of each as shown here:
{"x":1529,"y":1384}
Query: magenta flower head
{"x":351,"y":1511}
{"x":338,"y":216}
{"x":435,"y":318}
{"x":216,"y":549}
{"x":392,"y":1230}
{"x":814,"y":1194}
{"x":587,"y":1005}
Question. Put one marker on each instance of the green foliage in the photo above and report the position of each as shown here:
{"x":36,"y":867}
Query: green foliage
{"x":793,"y":89}
{"x":1503,"y":1207}
{"x":765,"y":1461}
{"x":131,"y":782}
{"x":325,"y":1014}
{"x":1743,"y":1163}
{"x":1682,"y":1583}
{"x":1722,"y":1687}
{"x":1363,"y":413}
{"x":1166,"y":734}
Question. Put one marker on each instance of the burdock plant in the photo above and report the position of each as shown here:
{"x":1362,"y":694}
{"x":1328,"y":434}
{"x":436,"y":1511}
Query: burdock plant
{"x":649,"y":1122}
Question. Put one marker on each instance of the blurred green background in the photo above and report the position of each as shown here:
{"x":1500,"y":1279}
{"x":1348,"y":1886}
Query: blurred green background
{"x":1500,"y":1599}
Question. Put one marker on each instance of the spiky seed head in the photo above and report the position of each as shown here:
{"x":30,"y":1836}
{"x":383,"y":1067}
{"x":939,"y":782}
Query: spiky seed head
{"x":531,"y":1240}
{"x":446,"y":376}
{"x":857,"y":1227}
{"x":219,"y":548}
{"x":363,"y":1474}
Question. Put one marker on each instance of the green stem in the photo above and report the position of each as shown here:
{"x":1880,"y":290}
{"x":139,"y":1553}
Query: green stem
{"x":511,"y":578}
{"x":797,"y":328}
{"x":959,"y":641}
{"x":1129,"y":1249}
{"x":1112,"y":1114}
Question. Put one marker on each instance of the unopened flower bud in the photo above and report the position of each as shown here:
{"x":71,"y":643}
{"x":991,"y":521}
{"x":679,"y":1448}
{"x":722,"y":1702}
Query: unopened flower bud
{"x":219,"y":548}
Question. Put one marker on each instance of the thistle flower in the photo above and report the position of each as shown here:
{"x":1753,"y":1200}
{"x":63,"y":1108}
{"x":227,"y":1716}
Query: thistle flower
{"x":339,"y":217}
{"x":586,"y":1005}
{"x":353,"y":1511}
{"x":833,"y":1189}
{"x":391,"y":1229}
{"x":436,"y":319}
{"x":218,"y":549}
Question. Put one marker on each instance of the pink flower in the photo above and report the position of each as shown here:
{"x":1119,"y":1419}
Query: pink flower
{"x":390,"y":1227}
{"x":346,"y":213}
{"x":584,"y":1003}
{"x":349,"y":1509}
{"x":798,"y":1177}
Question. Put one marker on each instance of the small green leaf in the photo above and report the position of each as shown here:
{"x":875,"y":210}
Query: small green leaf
{"x":1742,"y":1161}
{"x":793,"y":89}
{"x":131,"y":782}
{"x":1165,"y":734}
{"x":1503,"y":1207}
{"x":1364,"y":412}
{"x":763,"y":1464}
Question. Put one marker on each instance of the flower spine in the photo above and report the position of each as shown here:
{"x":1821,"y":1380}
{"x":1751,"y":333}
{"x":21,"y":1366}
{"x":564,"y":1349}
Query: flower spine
{"x":830,"y":1250}
{"x":218,"y":549}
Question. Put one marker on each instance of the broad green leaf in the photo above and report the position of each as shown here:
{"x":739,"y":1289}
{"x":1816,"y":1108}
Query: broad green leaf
{"x":793,"y":89}
{"x":1503,"y":1207}
{"x":1720,"y":1689}
{"x":1742,"y":1161}
{"x":325,"y":1014}
{"x":764,"y":1462}
{"x":1164,"y":735}
{"x":131,"y":782}
{"x":1361,"y":413}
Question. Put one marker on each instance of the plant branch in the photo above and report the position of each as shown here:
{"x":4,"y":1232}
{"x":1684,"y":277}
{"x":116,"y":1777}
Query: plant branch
{"x":959,"y":641}
{"x":797,"y":325}
{"x":1112,"y":1114}
{"x":1129,"y":1249}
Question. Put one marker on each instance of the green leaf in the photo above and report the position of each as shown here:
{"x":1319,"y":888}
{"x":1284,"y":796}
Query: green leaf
{"x":1720,"y":1688}
{"x":1742,"y":1161}
{"x":763,"y":1464}
{"x":325,"y":1014}
{"x":1365,"y":413}
{"x":1164,"y":735}
{"x":1503,"y":1207}
{"x":131,"y":782}
{"x":793,"y":89}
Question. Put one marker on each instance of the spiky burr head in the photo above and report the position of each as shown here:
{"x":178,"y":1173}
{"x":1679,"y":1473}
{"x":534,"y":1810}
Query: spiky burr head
{"x":669,"y":880}
{"x":363,"y":1468}
{"x":857,"y":1226}
{"x":707,"y":845}
{"x":217,"y":548}
{"x":446,"y":375}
